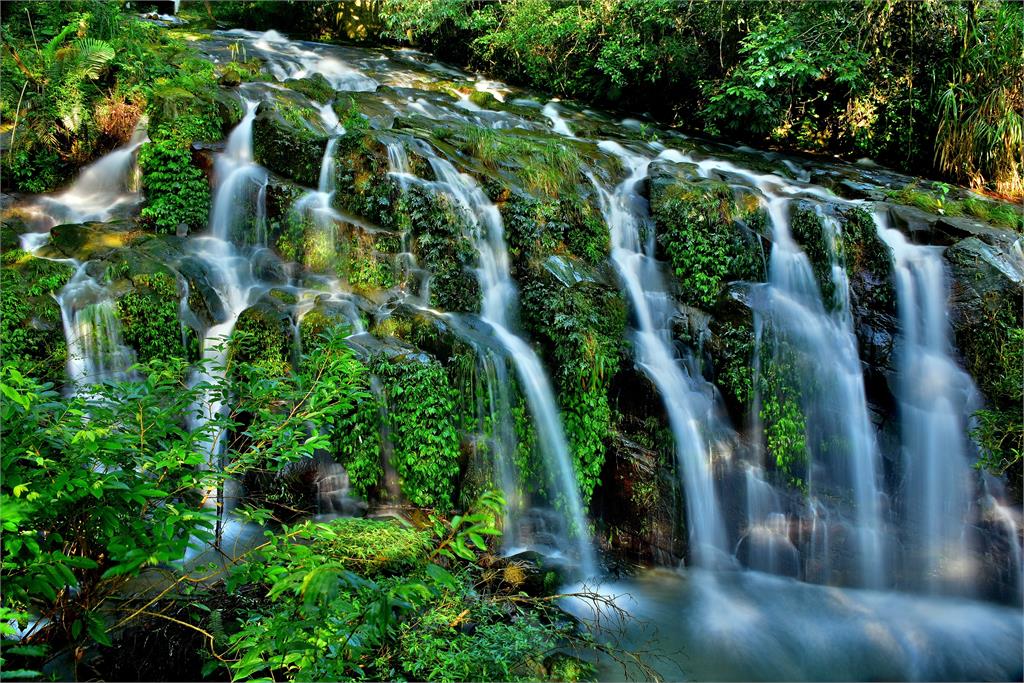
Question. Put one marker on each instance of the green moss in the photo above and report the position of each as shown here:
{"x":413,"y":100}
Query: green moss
{"x":809,"y":231}
{"x":373,"y":547}
{"x":867,"y":259}
{"x":183,"y":110}
{"x":701,"y":231}
{"x":439,"y":232}
{"x":537,"y":228}
{"x":285,"y":144}
{"x":546,"y":165}
{"x":782,"y":417}
{"x":482,"y":98}
{"x":581,"y":329}
{"x":935,"y":200}
{"x":314,"y":87}
{"x":149,"y":317}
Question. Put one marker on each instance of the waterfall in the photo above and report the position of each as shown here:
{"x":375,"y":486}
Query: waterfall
{"x":499,"y":302}
{"x":936,"y":399}
{"x":238,"y":181}
{"x":96,"y":352}
{"x":105,"y":189}
{"x":288,"y":59}
{"x":653,"y":309}
{"x":831,"y":387}
{"x":240,"y":184}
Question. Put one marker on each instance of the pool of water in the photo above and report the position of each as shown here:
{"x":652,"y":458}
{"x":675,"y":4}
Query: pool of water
{"x":733,"y":626}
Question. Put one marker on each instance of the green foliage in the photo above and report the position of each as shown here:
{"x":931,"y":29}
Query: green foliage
{"x":996,"y":213}
{"x":324,"y":621}
{"x":149,"y":317}
{"x":582,"y":330}
{"x":91,"y":498}
{"x":537,"y":228}
{"x":441,"y":243}
{"x":1000,"y":429}
{"x":549,"y":166}
{"x":30,"y":319}
{"x":314,"y":87}
{"x":79,"y":77}
{"x":931,"y":85}
{"x":261,"y":337}
{"x":183,"y":110}
{"x":786,"y":71}
{"x":700,"y":231}
{"x":587,"y":419}
{"x":420,"y":413}
{"x":808,"y":229}
{"x":782,"y":417}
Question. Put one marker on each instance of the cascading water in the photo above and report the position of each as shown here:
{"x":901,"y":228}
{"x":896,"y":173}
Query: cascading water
{"x":237,"y":197}
{"x":832,"y":386}
{"x":240,"y":185}
{"x":935,"y":398}
{"x":92,"y":332}
{"x":104,"y":190}
{"x":499,"y":302}
{"x":653,"y":309}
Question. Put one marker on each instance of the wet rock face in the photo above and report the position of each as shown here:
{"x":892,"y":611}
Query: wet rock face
{"x":292,"y":147}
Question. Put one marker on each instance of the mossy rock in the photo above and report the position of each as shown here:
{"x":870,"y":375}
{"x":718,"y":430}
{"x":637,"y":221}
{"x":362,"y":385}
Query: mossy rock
{"x":364,"y":186}
{"x":314,"y":87}
{"x":89,"y":241}
{"x":324,"y":316}
{"x":709,"y":235}
{"x":538,"y":228}
{"x":289,"y":142}
{"x":31,"y":330}
{"x":808,"y":229}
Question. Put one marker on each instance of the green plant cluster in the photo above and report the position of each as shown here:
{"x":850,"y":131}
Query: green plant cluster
{"x":702,"y":230}
{"x":808,"y":229}
{"x":284,"y":143}
{"x":443,"y":248}
{"x":261,"y":337}
{"x":581,"y":328}
{"x":30,"y":319}
{"x":537,"y":228}
{"x":81,"y":75}
{"x":314,"y":87}
{"x":781,"y":413}
{"x":547,"y":166}
{"x":149,"y":317}
{"x":421,"y":423}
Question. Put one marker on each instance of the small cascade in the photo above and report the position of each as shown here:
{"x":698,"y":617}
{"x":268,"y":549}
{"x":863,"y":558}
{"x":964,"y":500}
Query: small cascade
{"x":289,"y":59}
{"x":237,"y":196}
{"x":104,"y":190}
{"x":653,"y":308}
{"x":317,"y":204}
{"x":558,"y":124}
{"x":92,"y":332}
{"x":936,"y":398}
{"x":828,"y":373}
{"x":821,"y":348}
{"x":499,"y":304}
{"x":236,"y":210}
